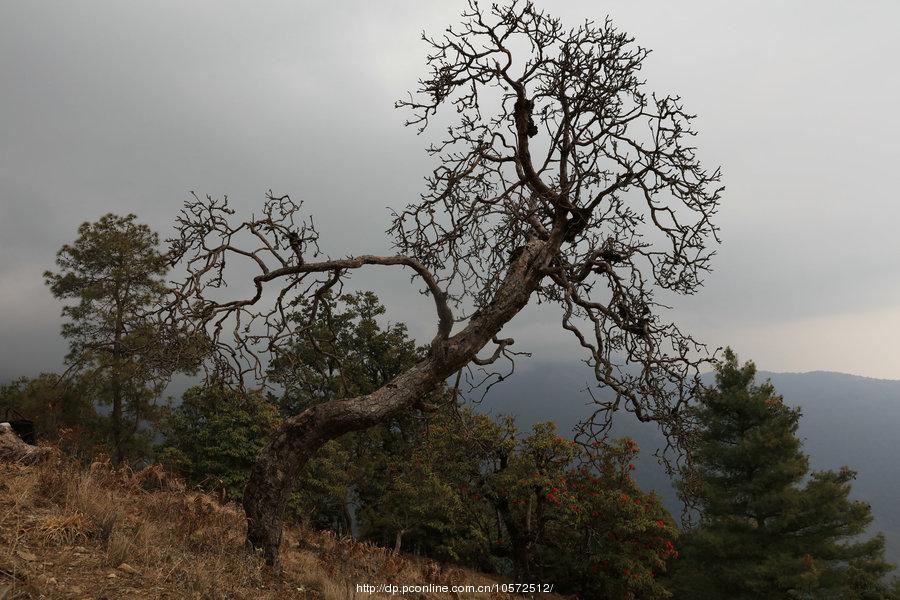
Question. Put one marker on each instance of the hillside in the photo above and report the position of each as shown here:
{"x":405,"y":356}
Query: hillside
{"x":67,"y":532}
{"x":847,"y":420}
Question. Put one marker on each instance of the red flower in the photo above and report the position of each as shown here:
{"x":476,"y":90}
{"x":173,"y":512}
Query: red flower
{"x":631,"y":466}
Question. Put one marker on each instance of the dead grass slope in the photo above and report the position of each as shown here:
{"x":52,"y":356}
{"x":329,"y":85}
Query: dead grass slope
{"x":69,"y":532}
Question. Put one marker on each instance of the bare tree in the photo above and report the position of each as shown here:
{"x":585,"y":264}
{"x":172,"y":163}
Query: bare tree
{"x":560,"y":178}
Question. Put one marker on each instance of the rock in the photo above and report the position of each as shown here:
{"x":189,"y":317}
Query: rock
{"x":24,"y":428}
{"x":126,"y":568}
{"x":14,"y":449}
{"x":111,"y":576}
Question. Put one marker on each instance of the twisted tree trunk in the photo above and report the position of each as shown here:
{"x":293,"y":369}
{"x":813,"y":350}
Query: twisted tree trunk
{"x":279,"y":463}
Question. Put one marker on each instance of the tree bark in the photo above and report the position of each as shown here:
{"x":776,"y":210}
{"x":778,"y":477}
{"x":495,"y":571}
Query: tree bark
{"x":398,"y":540}
{"x":118,"y":442}
{"x":348,"y":521}
{"x":278,"y":464}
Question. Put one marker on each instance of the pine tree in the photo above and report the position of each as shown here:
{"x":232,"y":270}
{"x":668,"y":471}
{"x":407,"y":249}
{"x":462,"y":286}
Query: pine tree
{"x":768,"y":527}
{"x":113,"y":276}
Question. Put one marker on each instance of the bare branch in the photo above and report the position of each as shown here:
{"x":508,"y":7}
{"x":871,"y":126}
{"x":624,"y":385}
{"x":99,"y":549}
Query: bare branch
{"x":561,"y":177}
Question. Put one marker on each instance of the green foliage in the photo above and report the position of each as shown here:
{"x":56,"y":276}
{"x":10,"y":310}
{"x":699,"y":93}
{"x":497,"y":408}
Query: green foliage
{"x":446,"y":482}
{"x":573,"y":514}
{"x":769,"y":528}
{"x":393,"y":481}
{"x":213,"y":436}
{"x":323,"y":493}
{"x":61,"y":410}
{"x":346,"y":352}
{"x":618,"y":539}
{"x":111,"y":277}
{"x":418,"y":502}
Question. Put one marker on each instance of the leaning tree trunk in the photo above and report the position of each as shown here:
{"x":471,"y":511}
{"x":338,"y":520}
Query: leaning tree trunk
{"x":278,"y":464}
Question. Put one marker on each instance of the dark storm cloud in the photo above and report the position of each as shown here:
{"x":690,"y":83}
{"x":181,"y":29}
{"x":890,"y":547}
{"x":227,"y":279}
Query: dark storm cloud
{"x":126,"y":107}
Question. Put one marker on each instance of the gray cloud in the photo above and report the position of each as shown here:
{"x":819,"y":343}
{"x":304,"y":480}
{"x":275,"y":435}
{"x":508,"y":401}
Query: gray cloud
{"x":126,"y":107}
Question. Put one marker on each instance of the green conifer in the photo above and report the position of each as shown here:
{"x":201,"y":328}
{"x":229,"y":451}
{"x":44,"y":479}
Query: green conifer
{"x":768,"y":527}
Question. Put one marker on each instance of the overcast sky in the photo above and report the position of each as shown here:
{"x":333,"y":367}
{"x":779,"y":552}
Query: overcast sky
{"x":128,"y":106}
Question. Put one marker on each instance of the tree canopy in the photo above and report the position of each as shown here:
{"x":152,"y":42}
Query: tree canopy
{"x":214,"y":435}
{"x":560,"y":178}
{"x":769,"y":528}
{"x":111,"y":277}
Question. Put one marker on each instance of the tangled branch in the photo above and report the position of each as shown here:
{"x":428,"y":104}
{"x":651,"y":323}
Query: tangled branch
{"x":560,"y":174}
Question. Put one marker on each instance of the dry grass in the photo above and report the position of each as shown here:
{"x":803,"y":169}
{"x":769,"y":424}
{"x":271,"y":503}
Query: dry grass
{"x":68,"y":532}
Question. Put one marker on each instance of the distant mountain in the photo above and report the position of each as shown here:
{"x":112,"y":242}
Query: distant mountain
{"x":847,"y":420}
